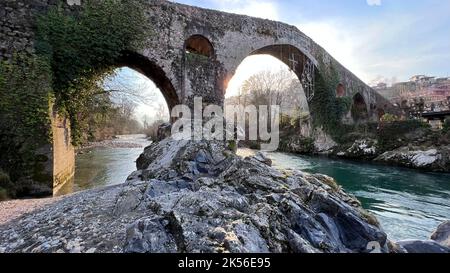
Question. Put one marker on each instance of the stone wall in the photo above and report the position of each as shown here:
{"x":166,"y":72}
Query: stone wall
{"x":55,"y":162}
{"x":63,"y":155}
{"x":18,"y":22}
{"x":234,"y":37}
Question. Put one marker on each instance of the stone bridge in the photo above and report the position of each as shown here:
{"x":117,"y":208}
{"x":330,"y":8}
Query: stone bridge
{"x":195,"y":52}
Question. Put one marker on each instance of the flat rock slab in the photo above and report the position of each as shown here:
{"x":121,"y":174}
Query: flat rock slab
{"x":423,"y":247}
{"x":442,"y":234}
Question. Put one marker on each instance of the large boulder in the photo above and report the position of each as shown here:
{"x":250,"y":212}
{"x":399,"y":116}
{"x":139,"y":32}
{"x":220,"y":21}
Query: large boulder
{"x":164,"y":131}
{"x":360,"y":149}
{"x":323,"y":143}
{"x":442,"y":234}
{"x":201,"y":197}
{"x":423,"y":247}
{"x":426,"y":158}
{"x":192,"y":196}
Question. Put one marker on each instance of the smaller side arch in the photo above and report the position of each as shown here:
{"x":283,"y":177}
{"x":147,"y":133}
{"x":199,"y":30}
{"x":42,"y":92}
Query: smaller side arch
{"x":359,"y":108}
{"x":199,"y":44}
{"x":340,"y":90}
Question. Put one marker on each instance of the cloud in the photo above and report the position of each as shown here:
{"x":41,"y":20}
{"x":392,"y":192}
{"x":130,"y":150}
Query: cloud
{"x":373,"y":49}
{"x":375,"y":45}
{"x":374,"y":2}
{"x":261,"y":9}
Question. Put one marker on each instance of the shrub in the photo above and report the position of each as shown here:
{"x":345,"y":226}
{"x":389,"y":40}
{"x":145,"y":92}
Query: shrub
{"x":446,"y":127}
{"x":297,"y":144}
{"x":389,"y":118}
{"x":391,"y":135}
{"x":152,"y":130}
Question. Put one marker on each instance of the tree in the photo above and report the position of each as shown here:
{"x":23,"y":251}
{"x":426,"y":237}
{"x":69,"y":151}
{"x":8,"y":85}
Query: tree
{"x":281,"y":88}
{"x":126,"y":83}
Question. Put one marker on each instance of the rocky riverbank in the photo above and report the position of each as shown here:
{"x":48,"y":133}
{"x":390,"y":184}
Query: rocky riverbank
{"x":434,"y":158}
{"x":110,"y":143}
{"x":419,"y":149}
{"x":201,"y":197}
{"x":14,"y":209}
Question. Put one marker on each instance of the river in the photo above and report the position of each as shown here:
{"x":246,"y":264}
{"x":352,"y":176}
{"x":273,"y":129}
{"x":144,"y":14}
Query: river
{"x":106,"y":166}
{"x":408,"y":203}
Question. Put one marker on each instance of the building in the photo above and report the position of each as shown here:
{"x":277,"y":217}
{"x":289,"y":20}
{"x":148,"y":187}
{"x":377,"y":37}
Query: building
{"x":421,"y":95}
{"x":422,"y":79}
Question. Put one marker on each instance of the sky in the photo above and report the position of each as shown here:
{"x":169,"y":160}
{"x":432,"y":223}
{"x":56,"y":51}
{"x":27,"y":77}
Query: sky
{"x":378,"y":40}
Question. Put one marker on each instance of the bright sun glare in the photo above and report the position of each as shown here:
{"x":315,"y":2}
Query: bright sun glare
{"x":250,"y":66}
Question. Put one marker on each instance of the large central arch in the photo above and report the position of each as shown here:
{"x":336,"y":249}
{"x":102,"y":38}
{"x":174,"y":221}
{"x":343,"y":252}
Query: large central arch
{"x":152,"y":71}
{"x":302,"y":65}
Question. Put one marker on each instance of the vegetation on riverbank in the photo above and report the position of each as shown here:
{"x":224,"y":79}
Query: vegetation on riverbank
{"x":328,"y":109}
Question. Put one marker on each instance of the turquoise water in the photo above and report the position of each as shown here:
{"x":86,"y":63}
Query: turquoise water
{"x":409,"y":204}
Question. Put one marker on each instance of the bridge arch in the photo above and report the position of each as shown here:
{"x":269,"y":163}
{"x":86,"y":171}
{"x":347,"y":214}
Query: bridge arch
{"x":300,"y":63}
{"x":359,"y":110}
{"x":200,"y":45}
{"x":300,"y":74}
{"x":154,"y":72}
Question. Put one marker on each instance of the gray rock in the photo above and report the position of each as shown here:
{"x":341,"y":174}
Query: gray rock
{"x":442,"y":234}
{"x":423,"y":247}
{"x":197,"y":196}
{"x":430,"y":158}
{"x":263,"y":158}
{"x":150,"y":235}
{"x":360,"y":149}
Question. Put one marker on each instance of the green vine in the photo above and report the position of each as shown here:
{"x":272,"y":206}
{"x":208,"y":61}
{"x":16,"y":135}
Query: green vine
{"x":25,"y":97}
{"x":83,"y":48}
{"x":25,"y":106}
{"x":327,"y":109}
{"x":74,"y":52}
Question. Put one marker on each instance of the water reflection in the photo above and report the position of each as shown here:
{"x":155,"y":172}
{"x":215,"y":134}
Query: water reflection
{"x":105,"y":166}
